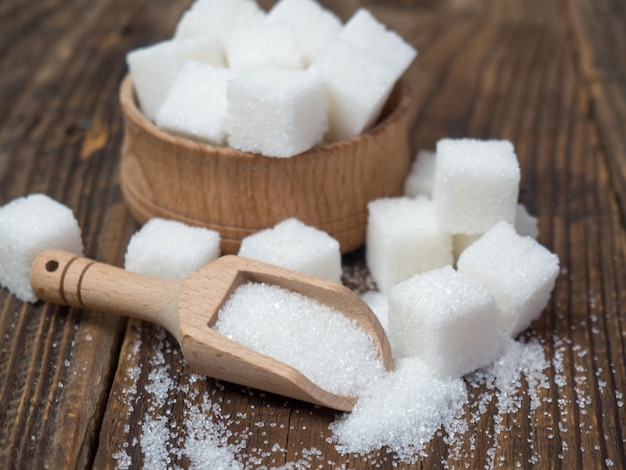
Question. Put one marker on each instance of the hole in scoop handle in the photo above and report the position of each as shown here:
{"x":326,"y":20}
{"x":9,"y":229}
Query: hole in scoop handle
{"x":64,"y":278}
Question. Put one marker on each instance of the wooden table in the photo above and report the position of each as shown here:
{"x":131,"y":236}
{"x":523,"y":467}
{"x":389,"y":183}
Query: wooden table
{"x":548,"y":75}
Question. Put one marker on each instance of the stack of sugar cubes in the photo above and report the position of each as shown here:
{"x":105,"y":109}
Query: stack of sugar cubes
{"x":275,"y":83}
{"x":460,"y":206}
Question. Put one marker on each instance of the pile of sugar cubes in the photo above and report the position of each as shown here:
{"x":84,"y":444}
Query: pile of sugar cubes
{"x":275,"y":83}
{"x":460,"y":207}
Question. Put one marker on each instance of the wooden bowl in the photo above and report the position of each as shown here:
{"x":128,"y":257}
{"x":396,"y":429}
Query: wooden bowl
{"x":238,"y":193}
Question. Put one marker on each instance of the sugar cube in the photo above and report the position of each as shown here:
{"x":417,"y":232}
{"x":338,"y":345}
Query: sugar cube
{"x":461,"y":241}
{"x":378,"y":303}
{"x":476,"y":184}
{"x":403,"y":239}
{"x":29,"y":225}
{"x":517,"y":270}
{"x":294,"y":245}
{"x":195,"y":106}
{"x":315,"y":26}
{"x":218,"y":18}
{"x":419,"y":181}
{"x":372,"y":37}
{"x":278,"y":113}
{"x":271,"y":43}
{"x":169,"y":249}
{"x":357,"y":85}
{"x":154,"y":68}
{"x":447,"y":320}
{"x":525,"y":224}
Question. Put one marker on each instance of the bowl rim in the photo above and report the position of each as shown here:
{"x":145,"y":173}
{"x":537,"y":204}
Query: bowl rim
{"x":388,"y":117}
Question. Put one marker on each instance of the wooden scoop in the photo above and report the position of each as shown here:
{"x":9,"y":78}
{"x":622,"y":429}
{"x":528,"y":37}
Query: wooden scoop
{"x":188,"y":309}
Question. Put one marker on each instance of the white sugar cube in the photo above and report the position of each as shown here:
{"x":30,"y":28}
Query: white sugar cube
{"x":196,"y":103}
{"x":218,"y":18}
{"x":294,"y":245}
{"x":314,"y":25}
{"x":278,"y":113}
{"x":29,"y":225}
{"x":476,"y":184}
{"x":447,"y":320}
{"x":358,"y":87}
{"x":421,"y":177}
{"x":168,"y":249}
{"x":461,"y":241}
{"x":378,"y":303}
{"x":525,"y":224}
{"x":372,"y":37}
{"x":403,"y":239}
{"x":154,"y":68}
{"x":271,"y":43}
{"x":518,"y":271}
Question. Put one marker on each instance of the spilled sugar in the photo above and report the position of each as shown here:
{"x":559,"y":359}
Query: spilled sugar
{"x":327,"y":347}
{"x":404,"y":410}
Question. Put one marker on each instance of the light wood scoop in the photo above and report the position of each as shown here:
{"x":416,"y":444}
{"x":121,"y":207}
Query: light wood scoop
{"x":188,"y":309}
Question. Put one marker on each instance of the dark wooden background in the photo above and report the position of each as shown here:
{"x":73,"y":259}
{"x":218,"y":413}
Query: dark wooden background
{"x":549,"y":75}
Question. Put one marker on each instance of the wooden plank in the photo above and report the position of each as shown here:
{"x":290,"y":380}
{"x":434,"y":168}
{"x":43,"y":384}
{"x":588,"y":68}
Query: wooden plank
{"x":63,"y":67}
{"x":599,"y":32}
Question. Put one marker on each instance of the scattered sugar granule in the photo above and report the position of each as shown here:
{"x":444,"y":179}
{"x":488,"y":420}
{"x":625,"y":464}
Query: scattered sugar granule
{"x":406,"y":408}
{"x":402,"y":411}
{"x":327,"y":347}
{"x":419,"y":181}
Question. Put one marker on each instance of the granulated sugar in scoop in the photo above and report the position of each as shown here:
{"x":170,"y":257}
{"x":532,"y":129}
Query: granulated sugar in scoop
{"x":327,"y":347}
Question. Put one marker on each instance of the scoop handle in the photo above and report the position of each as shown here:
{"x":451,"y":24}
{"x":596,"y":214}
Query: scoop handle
{"x":64,"y":278}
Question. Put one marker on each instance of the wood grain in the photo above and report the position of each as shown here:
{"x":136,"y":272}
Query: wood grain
{"x":80,"y":390}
